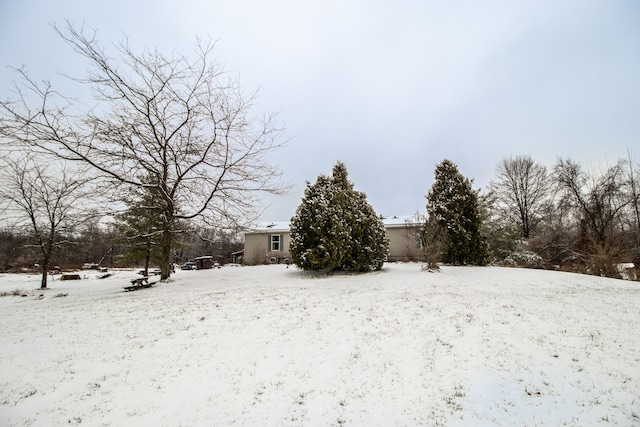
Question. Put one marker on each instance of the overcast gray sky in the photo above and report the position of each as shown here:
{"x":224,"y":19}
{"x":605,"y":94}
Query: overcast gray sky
{"x":388,"y":87}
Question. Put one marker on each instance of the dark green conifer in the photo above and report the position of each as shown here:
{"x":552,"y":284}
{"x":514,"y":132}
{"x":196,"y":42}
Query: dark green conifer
{"x":454,"y":204}
{"x":334,"y":227}
{"x":141,"y":226}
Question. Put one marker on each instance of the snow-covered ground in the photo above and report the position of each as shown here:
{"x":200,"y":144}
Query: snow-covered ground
{"x":274,"y":346}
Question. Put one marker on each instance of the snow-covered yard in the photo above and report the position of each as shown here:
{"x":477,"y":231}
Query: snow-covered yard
{"x":274,"y":346}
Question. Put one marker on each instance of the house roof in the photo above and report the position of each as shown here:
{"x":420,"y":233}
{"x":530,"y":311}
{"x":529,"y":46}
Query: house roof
{"x":397,"y":220}
{"x":269,"y":226}
{"x":273,"y":226}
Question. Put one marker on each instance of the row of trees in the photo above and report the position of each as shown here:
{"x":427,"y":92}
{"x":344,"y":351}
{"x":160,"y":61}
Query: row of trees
{"x":165,"y":139}
{"x":94,"y":242}
{"x":569,"y":216}
{"x":566,"y":216}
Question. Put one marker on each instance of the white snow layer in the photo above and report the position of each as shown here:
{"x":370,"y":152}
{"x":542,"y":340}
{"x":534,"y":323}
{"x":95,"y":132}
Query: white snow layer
{"x":274,"y":346}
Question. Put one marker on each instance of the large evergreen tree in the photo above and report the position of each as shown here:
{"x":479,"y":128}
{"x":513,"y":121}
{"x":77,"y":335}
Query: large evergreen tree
{"x":335,"y":227}
{"x":454,"y":204}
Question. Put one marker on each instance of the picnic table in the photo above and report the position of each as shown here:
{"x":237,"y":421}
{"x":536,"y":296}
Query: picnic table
{"x":139,"y":283}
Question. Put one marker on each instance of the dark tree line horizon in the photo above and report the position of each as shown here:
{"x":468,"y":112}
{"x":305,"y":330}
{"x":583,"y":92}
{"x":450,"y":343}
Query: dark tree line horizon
{"x":106,"y":246}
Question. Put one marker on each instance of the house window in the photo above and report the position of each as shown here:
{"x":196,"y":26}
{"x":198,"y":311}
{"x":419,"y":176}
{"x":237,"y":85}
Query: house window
{"x":274,"y":243}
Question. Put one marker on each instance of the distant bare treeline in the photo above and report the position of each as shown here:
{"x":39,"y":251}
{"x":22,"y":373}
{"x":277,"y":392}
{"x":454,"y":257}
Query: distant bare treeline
{"x":566,"y":217}
{"x":104,"y":245}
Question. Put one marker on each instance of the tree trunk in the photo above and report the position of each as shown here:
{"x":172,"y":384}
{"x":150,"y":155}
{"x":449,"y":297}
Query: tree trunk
{"x":165,"y":271}
{"x":46,"y":247}
{"x":147,"y":258}
{"x":45,"y":271}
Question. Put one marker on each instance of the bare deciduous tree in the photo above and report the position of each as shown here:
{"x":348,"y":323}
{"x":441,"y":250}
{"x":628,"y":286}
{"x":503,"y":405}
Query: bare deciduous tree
{"x":634,"y":208}
{"x":521,"y":189}
{"x":186,"y":124}
{"x":600,"y":200}
{"x":41,"y":201}
{"x":634,"y":195}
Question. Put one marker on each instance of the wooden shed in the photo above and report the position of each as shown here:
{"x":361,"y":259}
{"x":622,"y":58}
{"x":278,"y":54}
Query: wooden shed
{"x":204,"y":262}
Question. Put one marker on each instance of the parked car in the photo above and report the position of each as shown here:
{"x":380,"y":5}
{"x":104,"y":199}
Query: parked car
{"x":188,"y":266}
{"x":151,"y":272}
